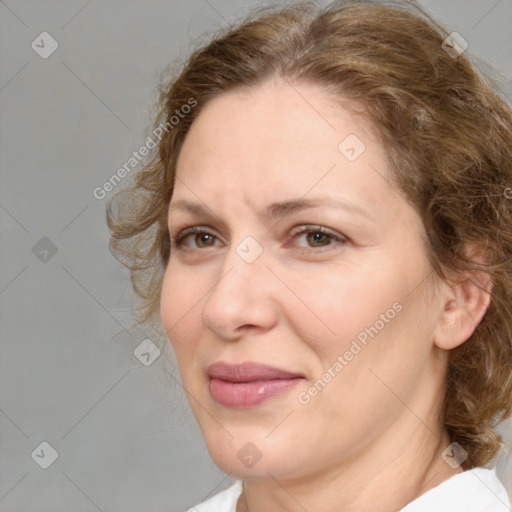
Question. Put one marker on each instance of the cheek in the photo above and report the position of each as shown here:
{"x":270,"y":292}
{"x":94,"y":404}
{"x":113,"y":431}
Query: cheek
{"x":179,"y":308}
{"x":379,"y":325}
{"x":341,"y":304}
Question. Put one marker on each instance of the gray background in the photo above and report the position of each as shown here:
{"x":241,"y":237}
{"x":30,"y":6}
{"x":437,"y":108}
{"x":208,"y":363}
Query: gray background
{"x":68,"y":376}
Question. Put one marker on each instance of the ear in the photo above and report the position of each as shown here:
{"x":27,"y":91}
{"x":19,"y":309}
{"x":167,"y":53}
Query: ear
{"x":463,"y":306}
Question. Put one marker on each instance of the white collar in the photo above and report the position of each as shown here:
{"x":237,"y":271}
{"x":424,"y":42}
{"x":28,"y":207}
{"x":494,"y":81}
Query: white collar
{"x":475,"y":490}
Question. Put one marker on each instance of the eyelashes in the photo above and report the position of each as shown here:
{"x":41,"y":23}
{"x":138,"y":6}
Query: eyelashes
{"x":203,"y":236}
{"x":179,"y":240}
{"x":326,"y":235}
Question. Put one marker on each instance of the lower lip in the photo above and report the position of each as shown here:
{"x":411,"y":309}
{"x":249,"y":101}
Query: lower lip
{"x":249,"y":394}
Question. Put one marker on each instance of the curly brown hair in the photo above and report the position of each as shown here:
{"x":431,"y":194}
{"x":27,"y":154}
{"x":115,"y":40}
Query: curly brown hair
{"x":447,"y":132}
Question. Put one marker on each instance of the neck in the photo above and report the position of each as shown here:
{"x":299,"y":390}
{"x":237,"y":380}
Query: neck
{"x":391,"y":478}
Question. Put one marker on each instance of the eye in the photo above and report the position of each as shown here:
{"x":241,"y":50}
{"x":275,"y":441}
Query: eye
{"x":198,"y":235}
{"x":313,"y":237}
{"x":317,"y":237}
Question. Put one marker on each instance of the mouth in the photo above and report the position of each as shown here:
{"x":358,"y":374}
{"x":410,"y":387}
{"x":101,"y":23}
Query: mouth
{"x":248,"y":384}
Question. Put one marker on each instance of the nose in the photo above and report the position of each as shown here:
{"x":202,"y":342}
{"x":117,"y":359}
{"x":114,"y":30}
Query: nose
{"x":243,"y":298}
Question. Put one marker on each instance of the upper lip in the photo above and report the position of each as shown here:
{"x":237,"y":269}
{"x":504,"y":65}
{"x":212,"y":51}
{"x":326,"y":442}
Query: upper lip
{"x":247,"y":372}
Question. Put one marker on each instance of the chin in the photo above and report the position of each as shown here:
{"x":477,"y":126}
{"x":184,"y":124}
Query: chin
{"x":230,"y":463}
{"x":247,"y":454}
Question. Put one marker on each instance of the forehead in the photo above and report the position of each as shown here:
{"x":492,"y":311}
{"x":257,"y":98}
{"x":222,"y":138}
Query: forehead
{"x":277,"y":114}
{"x":280,"y":138}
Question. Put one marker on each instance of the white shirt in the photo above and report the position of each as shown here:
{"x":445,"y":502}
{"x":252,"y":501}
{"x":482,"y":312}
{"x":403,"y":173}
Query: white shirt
{"x":475,"y":490}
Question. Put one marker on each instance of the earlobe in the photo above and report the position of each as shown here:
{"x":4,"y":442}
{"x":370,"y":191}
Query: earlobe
{"x":464,"y":306}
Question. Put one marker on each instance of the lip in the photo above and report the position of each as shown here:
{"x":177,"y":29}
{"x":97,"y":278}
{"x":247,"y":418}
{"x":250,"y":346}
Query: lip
{"x":248,"y":384}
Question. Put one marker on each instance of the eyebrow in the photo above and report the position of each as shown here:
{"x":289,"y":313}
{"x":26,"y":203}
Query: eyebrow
{"x":277,"y":210}
{"x":281,"y":209}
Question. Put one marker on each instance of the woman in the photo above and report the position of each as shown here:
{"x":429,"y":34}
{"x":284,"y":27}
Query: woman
{"x":325,"y":233}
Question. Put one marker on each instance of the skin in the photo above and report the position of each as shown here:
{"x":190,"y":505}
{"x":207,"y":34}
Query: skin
{"x":372,"y":435}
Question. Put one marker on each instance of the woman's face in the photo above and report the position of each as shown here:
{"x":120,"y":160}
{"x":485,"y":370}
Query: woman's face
{"x":308,"y":262}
